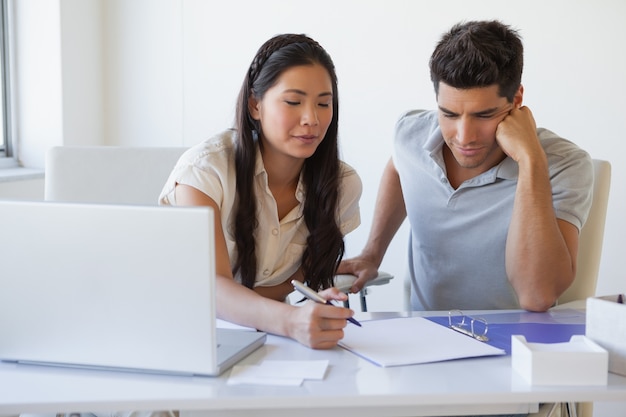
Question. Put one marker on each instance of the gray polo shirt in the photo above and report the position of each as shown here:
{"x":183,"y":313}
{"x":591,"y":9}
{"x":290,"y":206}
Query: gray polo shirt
{"x":457,"y":237}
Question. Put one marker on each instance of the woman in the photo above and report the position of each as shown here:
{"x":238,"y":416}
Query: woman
{"x":282,"y":199}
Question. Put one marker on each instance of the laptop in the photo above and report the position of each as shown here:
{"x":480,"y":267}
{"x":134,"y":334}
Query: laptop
{"x":113,"y":287}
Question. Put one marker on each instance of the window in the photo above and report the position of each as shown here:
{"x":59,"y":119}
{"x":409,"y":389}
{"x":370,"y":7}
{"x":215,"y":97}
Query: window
{"x":5,"y":127}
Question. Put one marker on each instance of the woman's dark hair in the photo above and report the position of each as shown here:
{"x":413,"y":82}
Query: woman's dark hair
{"x":321,"y":171}
{"x":479,"y":54}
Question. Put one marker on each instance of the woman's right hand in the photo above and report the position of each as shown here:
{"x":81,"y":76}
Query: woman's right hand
{"x":320,"y":326}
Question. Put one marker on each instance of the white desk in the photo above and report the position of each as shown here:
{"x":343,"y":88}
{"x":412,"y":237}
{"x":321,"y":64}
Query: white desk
{"x":352,"y":387}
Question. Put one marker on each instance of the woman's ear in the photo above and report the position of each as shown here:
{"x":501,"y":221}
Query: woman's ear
{"x":253,"y":107}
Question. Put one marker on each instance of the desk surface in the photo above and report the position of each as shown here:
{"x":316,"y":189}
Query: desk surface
{"x":352,"y":387}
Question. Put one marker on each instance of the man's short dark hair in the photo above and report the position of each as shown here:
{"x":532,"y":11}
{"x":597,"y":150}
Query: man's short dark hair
{"x":479,"y":54}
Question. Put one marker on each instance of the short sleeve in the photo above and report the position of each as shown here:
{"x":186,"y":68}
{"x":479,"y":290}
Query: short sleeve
{"x":571,"y":177}
{"x":350,"y":194}
{"x":206,"y":167}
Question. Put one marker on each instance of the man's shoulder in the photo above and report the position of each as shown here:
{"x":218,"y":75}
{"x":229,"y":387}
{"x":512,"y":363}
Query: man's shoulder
{"x":415,"y":121}
{"x":556,"y":145}
{"x":418,"y":116}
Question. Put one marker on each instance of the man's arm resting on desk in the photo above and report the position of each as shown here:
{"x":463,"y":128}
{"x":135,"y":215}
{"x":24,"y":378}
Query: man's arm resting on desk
{"x":540,"y":249}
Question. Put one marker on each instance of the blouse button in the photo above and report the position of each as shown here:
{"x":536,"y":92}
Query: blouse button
{"x":275,"y":232}
{"x":266,"y":272}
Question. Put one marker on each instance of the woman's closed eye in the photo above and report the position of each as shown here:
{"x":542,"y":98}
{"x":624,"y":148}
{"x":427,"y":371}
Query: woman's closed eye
{"x":296,"y":103}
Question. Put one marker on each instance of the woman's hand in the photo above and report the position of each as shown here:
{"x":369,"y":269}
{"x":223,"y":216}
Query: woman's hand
{"x":320,"y":326}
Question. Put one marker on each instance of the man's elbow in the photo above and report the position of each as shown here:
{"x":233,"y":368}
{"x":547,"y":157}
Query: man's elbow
{"x":543,"y":297}
{"x":537,"y":303}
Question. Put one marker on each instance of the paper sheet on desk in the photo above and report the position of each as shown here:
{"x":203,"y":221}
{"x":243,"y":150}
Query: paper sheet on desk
{"x":272,"y":372}
{"x":412,"y":340}
{"x":223,"y":324}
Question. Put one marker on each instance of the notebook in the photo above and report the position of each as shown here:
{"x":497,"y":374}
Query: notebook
{"x":113,"y":287}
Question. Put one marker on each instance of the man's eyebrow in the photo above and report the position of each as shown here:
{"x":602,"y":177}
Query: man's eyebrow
{"x":443,"y":109}
{"x":486,"y":112}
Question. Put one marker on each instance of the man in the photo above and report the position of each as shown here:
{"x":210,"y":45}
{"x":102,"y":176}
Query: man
{"x":495,"y":205}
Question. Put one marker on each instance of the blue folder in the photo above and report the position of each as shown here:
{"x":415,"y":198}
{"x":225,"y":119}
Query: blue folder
{"x":550,"y":327}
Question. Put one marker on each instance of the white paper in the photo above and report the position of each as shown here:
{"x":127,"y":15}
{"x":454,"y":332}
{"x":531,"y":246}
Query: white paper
{"x":272,"y":372}
{"x":411,"y":340}
{"x":223,"y":324}
{"x":294,"y":369}
{"x":248,"y":374}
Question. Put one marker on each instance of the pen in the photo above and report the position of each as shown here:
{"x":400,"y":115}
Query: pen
{"x":620,"y":299}
{"x":312,"y":295}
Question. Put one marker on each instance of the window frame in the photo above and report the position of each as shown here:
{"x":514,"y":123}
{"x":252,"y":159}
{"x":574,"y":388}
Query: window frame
{"x":6,"y":142}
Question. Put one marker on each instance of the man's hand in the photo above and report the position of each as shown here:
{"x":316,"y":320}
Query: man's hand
{"x":364,"y":269}
{"x":517,"y":135}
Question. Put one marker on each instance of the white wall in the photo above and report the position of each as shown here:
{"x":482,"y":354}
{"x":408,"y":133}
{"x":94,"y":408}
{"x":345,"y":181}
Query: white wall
{"x":143,"y":62}
{"x":166,"y":72}
{"x":82,"y":72}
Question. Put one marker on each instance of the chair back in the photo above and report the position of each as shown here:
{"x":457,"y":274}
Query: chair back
{"x":108,"y":174}
{"x":591,"y":237}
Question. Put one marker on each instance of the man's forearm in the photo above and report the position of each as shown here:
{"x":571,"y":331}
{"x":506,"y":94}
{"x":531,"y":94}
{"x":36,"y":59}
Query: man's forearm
{"x":539,"y":263}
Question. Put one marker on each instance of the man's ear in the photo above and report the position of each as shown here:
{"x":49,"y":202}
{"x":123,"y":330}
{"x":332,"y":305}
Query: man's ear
{"x":253,"y":107}
{"x":519,"y":97}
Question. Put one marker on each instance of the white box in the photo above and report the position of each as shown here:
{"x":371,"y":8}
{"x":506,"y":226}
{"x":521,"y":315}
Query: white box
{"x":606,"y":325}
{"x":577,"y":362}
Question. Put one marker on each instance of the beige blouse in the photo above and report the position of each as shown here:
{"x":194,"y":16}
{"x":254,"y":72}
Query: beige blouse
{"x":210,"y":168}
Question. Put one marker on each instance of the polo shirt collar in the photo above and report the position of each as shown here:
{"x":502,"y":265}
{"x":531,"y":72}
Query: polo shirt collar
{"x":507,"y":169}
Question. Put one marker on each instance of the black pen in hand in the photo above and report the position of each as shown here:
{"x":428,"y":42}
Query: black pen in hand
{"x":312,"y":295}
